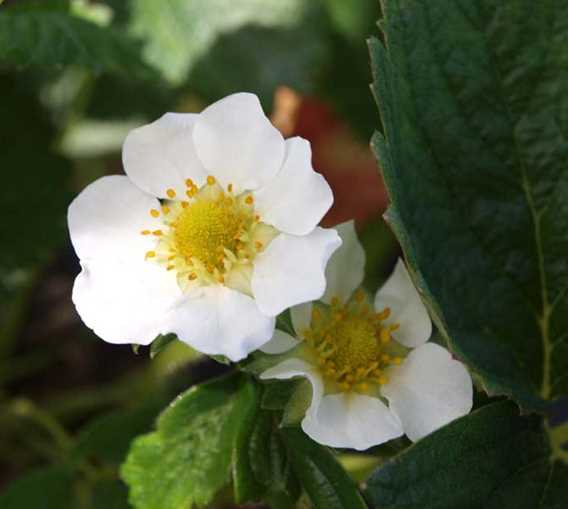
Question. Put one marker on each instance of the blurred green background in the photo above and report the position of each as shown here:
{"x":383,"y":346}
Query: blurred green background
{"x":75,"y":77}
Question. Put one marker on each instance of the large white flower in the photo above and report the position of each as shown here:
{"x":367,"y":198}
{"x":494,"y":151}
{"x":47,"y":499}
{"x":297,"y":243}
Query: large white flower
{"x":374,"y":376}
{"x":212,"y":233}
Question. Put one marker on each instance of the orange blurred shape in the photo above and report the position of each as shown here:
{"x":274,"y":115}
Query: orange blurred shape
{"x":348,"y":164}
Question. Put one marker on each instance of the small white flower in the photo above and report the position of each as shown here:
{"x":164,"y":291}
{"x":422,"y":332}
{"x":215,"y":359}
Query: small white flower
{"x":212,"y":233}
{"x":374,"y":377}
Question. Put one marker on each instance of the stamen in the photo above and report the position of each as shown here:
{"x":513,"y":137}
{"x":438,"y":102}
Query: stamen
{"x":157,"y":233}
{"x":249,"y":200}
{"x":145,"y":232}
{"x":150,"y":254}
{"x":230,"y":188}
{"x":211,"y":180}
{"x":189,"y":183}
{"x":154,"y":213}
{"x":171,"y":193}
{"x":165,"y":209}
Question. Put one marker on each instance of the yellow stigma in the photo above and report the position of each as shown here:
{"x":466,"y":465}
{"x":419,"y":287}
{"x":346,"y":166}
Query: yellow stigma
{"x":351,"y":345}
{"x":208,"y":236}
{"x":205,"y":229}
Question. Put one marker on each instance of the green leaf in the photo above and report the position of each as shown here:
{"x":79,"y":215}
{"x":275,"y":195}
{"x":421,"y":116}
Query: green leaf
{"x":161,"y":343}
{"x":298,"y":404}
{"x":180,"y":33}
{"x":245,"y":485}
{"x":322,"y":477}
{"x":474,"y":155}
{"x":48,"y":488}
{"x":51,"y":38}
{"x":187,"y":459}
{"x":492,"y":458}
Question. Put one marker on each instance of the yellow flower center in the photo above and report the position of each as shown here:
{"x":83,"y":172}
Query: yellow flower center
{"x":352,"y":345}
{"x":212,"y":237}
{"x":205,"y":229}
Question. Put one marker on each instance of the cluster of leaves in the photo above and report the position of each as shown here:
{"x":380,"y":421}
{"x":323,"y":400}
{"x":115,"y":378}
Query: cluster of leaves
{"x":473,"y":150}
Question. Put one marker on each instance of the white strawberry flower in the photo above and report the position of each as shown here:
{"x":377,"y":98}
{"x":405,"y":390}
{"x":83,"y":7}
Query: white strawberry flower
{"x":373,"y":374}
{"x":212,"y":233}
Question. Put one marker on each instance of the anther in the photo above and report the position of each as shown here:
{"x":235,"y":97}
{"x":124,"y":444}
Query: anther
{"x":189,"y":183}
{"x":258,"y":245}
{"x":165,"y":209}
{"x":145,"y":232}
{"x":192,"y":276}
{"x":185,"y":204}
{"x":171,"y":193}
{"x":150,"y":254}
{"x":157,"y":233}
{"x":230,"y":188}
{"x":211,"y":180}
{"x":154,"y":213}
{"x":249,"y":200}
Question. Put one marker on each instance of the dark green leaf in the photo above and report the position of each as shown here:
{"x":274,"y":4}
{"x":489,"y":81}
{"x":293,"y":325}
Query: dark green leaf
{"x":46,"y":38}
{"x":284,"y":323}
{"x":108,"y":438}
{"x":276,"y":394}
{"x":492,"y":458}
{"x":474,"y":155}
{"x":322,"y":477}
{"x":239,"y":61}
{"x":33,"y":223}
{"x":109,"y":495}
{"x":187,"y":459}
{"x":45,"y":488}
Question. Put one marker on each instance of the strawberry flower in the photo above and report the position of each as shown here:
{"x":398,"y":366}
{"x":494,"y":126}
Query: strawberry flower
{"x":373,"y":373}
{"x":210,"y":235}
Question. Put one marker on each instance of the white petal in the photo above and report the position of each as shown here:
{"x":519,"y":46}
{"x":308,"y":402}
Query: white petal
{"x":407,"y":309}
{"x":351,"y":420}
{"x":346,"y":267}
{"x":295,"y":200}
{"x":221,"y":321}
{"x":237,"y":143}
{"x":280,"y":343}
{"x":161,"y":155}
{"x":125,"y":302}
{"x":292,"y":368}
{"x":301,"y":317}
{"x":106,"y":218}
{"x":291,"y":270}
{"x":428,"y":390}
